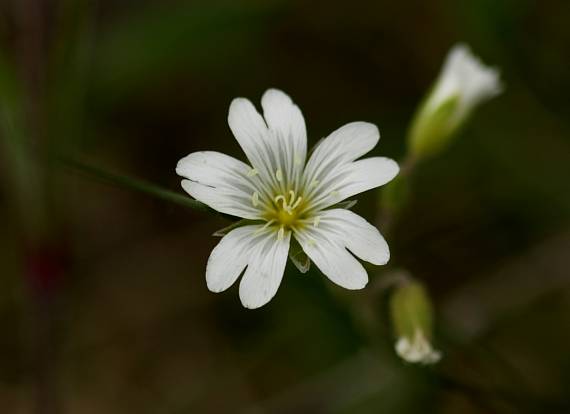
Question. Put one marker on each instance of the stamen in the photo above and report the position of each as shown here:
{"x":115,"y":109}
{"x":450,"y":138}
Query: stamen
{"x":279,"y":175}
{"x":294,"y":206}
{"x":252,"y":172}
{"x":280,"y":197}
{"x":317,"y":221}
{"x":281,"y":233}
{"x":269,"y":223}
{"x":288,"y":205}
{"x":255,"y":199}
{"x":292,"y":194}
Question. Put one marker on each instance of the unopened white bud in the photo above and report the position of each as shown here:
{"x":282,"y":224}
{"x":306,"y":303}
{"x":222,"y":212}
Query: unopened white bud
{"x":412,"y":319}
{"x":463,"y":84}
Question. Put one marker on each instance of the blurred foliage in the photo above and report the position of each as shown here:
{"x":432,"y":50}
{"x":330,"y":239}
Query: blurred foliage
{"x":133,"y":86}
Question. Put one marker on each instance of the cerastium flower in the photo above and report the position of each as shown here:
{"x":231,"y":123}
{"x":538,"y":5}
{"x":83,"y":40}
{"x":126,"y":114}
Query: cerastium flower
{"x":288,"y":196}
{"x":463,"y":84}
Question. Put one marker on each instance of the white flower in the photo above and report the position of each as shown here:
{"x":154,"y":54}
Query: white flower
{"x":417,"y":349}
{"x":290,"y":197}
{"x":463,"y":84}
{"x":465,"y":77}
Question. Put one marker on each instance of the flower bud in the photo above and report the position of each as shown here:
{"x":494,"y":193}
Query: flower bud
{"x":463,"y":84}
{"x":412,"y":318}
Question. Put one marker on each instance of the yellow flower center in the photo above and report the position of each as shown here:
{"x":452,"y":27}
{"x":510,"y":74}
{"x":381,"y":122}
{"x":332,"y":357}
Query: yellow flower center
{"x":285,"y":218}
{"x":287,"y":209}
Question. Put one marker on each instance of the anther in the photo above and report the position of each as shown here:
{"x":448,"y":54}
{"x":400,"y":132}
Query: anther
{"x":317,"y":221}
{"x":279,"y":175}
{"x":255,"y":199}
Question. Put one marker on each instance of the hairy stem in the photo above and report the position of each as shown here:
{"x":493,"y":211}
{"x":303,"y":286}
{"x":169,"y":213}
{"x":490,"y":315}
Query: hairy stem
{"x":135,"y":185}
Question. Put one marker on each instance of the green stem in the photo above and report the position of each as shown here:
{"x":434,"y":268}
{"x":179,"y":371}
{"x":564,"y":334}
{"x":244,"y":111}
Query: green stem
{"x":135,"y":184}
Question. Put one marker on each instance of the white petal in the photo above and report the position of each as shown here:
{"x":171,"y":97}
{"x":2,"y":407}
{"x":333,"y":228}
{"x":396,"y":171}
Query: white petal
{"x":213,"y":169}
{"x":360,"y":237}
{"x":277,"y":152}
{"x":229,"y":258}
{"x":346,"y":144}
{"x":285,"y":119}
{"x":343,"y":146}
{"x":366,"y":174}
{"x":224,"y":202}
{"x":219,"y":181}
{"x":265,"y":270}
{"x":417,"y":350}
{"x":475,"y":77}
{"x":332,"y":258}
{"x":355,"y":178}
{"x":252,"y":134}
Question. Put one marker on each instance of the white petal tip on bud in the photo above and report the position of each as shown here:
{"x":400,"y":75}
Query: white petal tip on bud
{"x":419,"y":350}
{"x":475,"y":80}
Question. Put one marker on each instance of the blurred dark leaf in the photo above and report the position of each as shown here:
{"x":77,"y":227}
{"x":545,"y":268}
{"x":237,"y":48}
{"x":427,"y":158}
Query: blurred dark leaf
{"x":160,"y":40}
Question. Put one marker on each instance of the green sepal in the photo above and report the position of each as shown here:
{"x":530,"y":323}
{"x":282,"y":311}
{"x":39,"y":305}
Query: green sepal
{"x":411,"y":310}
{"x":235,"y":225}
{"x":299,"y":258}
{"x":347,"y":204}
{"x":432,"y":129}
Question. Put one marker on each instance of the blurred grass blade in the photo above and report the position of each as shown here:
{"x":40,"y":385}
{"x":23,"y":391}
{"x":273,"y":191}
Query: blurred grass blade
{"x":135,"y":185}
{"x":22,"y":174}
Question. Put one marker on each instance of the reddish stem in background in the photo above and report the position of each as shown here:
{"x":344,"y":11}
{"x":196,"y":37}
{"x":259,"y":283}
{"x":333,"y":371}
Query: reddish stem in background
{"x":44,"y":262}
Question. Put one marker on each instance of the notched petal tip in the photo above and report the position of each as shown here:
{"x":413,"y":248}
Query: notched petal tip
{"x":385,"y":258}
{"x":240,"y":100}
{"x":274,"y":93}
{"x":356,"y":286}
{"x":240,"y":107}
{"x":180,"y":166}
{"x":250,"y":301}
{"x":252,"y":306}
{"x":365,"y":128}
{"x":213,"y":288}
{"x":392,"y":168}
{"x":186,"y":185}
{"x":185,"y":164}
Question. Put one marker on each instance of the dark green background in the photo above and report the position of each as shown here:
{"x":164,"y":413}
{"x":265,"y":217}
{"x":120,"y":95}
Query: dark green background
{"x":133,"y":86}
